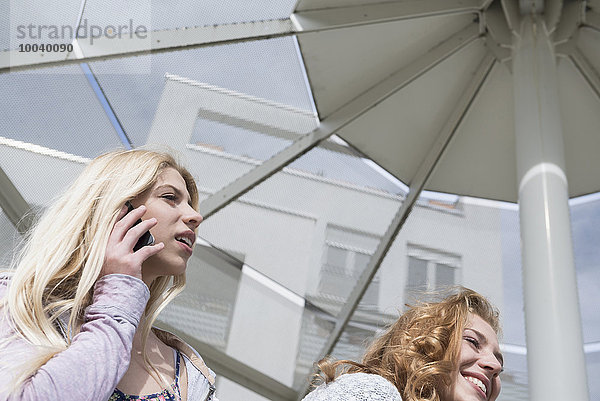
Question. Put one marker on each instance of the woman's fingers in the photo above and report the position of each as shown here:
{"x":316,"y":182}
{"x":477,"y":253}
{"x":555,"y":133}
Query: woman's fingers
{"x":135,"y":232}
{"x":126,"y":221}
{"x":149,"y":250}
{"x":123,"y":212}
{"x":120,"y":257}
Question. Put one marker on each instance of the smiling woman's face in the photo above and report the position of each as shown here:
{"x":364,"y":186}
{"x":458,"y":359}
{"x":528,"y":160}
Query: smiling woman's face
{"x":479,"y":364}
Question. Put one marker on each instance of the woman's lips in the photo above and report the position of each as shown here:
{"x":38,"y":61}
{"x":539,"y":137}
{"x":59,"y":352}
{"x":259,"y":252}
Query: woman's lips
{"x":469,"y":377}
{"x":185,"y":247}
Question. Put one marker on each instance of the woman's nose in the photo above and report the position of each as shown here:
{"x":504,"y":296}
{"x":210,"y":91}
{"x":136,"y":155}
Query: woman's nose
{"x":490,"y":362}
{"x":193,"y":219}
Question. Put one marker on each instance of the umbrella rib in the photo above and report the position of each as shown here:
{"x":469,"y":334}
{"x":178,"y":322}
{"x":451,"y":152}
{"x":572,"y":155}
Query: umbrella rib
{"x":339,"y":119}
{"x":159,"y":41}
{"x":485,"y":4}
{"x":512,"y":14}
{"x":553,"y":10}
{"x":322,"y":19}
{"x":592,"y":20}
{"x":169,"y":40}
{"x":418,"y":183}
{"x":586,"y":69}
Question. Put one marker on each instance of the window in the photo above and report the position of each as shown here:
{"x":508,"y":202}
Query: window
{"x":346,"y":254}
{"x":429,"y":270}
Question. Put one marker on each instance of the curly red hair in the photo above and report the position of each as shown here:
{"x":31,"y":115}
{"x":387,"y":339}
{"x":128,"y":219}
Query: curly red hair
{"x":418,"y":352}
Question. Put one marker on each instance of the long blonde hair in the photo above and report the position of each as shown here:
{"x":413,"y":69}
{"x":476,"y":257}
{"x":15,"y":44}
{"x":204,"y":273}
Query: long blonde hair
{"x":418,"y":353}
{"x":64,"y":252}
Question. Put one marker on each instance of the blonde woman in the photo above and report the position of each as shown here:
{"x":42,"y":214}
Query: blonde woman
{"x":76,"y":313}
{"x":440,"y":351}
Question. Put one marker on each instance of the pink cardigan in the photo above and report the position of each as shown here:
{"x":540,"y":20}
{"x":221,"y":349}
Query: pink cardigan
{"x":98,"y":357}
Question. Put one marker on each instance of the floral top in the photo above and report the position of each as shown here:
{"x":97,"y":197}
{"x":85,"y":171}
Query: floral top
{"x":173,"y":395}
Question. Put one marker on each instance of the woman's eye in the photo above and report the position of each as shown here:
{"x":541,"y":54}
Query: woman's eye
{"x":473,"y":341}
{"x":169,"y":197}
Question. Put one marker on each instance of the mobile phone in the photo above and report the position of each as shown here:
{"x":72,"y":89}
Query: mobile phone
{"x":146,"y":238}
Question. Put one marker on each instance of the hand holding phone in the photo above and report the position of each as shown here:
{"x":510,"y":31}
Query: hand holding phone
{"x":121,"y":256}
{"x":146,"y":238}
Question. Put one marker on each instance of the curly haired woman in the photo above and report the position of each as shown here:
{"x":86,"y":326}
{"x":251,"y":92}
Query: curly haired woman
{"x":437,"y":351}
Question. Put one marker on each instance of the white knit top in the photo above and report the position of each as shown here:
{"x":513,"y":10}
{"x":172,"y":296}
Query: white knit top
{"x":356,"y":387}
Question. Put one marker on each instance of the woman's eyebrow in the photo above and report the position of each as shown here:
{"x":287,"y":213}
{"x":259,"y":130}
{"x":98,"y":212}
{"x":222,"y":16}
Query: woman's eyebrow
{"x":174,"y":189}
{"x":481,"y":337}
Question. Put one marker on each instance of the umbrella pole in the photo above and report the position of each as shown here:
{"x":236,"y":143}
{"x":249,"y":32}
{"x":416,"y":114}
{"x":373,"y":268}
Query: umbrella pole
{"x":555,"y":357}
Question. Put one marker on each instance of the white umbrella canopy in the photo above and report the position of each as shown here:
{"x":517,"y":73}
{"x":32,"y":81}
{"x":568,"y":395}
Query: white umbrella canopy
{"x":344,"y":62}
{"x":491,"y":99}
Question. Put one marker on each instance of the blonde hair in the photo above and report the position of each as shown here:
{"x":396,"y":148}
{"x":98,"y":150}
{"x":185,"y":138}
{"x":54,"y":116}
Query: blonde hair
{"x":418,"y":353}
{"x":64,"y":252}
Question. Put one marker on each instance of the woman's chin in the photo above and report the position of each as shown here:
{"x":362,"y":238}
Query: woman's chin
{"x":157,"y":268}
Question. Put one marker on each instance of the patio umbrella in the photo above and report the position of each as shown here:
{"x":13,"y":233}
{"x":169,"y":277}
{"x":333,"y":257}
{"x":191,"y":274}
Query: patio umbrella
{"x":500,"y":98}
{"x":482,"y":99}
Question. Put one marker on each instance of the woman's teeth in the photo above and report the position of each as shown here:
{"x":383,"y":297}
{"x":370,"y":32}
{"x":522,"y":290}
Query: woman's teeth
{"x":476,"y":382}
{"x":185,"y":240}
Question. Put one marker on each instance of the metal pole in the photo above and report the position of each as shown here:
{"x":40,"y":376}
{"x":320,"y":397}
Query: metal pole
{"x":555,"y":355}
